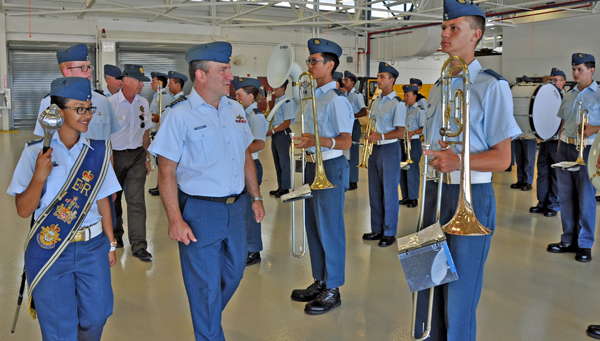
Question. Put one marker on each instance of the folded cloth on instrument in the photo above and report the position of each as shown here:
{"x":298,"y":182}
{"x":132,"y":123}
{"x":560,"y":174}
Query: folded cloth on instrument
{"x":303,"y":192}
{"x":571,"y":166}
{"x":404,"y":165}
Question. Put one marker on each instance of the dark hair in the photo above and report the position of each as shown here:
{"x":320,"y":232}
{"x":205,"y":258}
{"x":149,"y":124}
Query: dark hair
{"x":162,"y":79}
{"x":285,"y":84}
{"x":196,"y":65}
{"x":415,"y":92}
{"x":331,"y":57}
{"x":476,"y":23}
{"x":590,"y":65}
{"x":251,"y":89}
{"x":60,"y":101}
{"x":391,"y":75}
{"x":340,"y":84}
{"x":178,"y":81}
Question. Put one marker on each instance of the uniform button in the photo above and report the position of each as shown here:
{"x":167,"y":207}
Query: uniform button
{"x":223,"y":126}
{"x":233,"y":159}
{"x":228,"y":142}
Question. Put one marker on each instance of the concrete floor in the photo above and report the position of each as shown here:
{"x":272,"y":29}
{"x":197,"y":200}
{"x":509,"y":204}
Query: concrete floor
{"x":528,"y":293}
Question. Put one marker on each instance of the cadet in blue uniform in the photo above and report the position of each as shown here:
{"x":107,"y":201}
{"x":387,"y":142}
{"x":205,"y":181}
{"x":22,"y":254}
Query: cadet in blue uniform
{"x":176,"y":83}
{"x":247,"y":93}
{"x":281,"y":140}
{"x":384,"y":162}
{"x":74,"y":298}
{"x":420,"y":98}
{"x":524,"y":148}
{"x":415,"y":120}
{"x":113,"y":85}
{"x":324,"y":214}
{"x":204,"y":163}
{"x":547,"y":185}
{"x":338,"y":77}
{"x":575,"y":189}
{"x":359,"y":109}
{"x":158,"y":78}
{"x":492,"y":126}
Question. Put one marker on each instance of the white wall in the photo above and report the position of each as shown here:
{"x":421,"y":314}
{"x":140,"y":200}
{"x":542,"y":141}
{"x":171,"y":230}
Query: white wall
{"x":427,"y":69}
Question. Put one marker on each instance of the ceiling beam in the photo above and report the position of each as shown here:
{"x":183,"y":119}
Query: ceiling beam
{"x":168,"y":9}
{"x":88,"y":4}
{"x":244,"y":13}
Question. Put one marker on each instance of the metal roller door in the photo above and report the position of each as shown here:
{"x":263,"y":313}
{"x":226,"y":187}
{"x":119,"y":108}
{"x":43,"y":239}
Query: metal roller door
{"x":31,"y":73}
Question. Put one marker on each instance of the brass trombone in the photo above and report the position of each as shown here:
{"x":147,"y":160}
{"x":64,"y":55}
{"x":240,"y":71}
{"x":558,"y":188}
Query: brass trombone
{"x":406,"y":164}
{"x":159,"y":89}
{"x":367,"y":146}
{"x":582,"y":118}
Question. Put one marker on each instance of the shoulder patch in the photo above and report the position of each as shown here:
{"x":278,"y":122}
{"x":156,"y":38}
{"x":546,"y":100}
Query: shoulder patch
{"x":100,"y":92}
{"x":338,"y":92}
{"x":177,"y":101}
{"x":495,"y":74}
{"x":32,"y":142}
{"x":257,"y":111}
{"x":399,"y":99}
{"x":231,"y":98}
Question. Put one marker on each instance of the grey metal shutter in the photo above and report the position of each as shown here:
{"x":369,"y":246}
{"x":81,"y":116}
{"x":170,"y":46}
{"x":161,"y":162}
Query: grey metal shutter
{"x":30,"y":75}
{"x":156,"y":62}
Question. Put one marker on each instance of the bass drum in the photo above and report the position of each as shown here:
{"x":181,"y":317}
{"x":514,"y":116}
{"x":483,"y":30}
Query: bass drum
{"x":593,"y":171}
{"x":535,"y":109}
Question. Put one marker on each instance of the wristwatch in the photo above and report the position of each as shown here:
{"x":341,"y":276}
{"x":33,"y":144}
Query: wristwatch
{"x":256,"y":199}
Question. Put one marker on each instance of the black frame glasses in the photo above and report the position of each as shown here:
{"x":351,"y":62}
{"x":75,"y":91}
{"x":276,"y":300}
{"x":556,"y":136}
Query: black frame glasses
{"x":84,"y":68}
{"x":314,"y":61}
{"x":82,"y":110}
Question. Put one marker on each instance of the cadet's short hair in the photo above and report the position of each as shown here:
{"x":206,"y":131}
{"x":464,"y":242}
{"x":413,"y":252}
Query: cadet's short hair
{"x":197,"y":65}
{"x":331,"y":57}
{"x":476,"y":22}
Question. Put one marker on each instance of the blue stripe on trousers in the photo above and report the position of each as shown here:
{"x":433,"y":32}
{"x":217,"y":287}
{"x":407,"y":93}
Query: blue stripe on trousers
{"x":280,"y":146}
{"x":325,"y":229}
{"x":384,"y":172}
{"x":253,"y":229}
{"x":354,"y":151}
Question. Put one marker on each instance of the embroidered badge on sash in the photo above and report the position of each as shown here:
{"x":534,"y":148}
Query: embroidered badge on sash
{"x":67,"y":213}
{"x":49,"y":236}
{"x":240,"y":119}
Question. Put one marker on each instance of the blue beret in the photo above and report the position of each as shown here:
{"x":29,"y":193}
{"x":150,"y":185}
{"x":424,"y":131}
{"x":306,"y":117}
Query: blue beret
{"x":134,"y":71}
{"x":338,"y":75}
{"x":218,"y":51}
{"x":156,"y":74}
{"x":580,"y":58}
{"x":240,"y":82}
{"x":111,"y":70}
{"x":350,"y":75}
{"x":415,"y":81}
{"x":556,"y":72}
{"x":175,"y":74}
{"x":73,"y":54}
{"x":527,"y":79}
{"x":461,"y":8}
{"x":318,"y":45}
{"x":407,"y":88}
{"x":385,"y":67}
{"x":77,"y":88}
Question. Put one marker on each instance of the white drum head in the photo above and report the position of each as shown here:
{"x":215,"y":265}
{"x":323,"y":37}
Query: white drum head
{"x":522,"y":93}
{"x":543,"y":112}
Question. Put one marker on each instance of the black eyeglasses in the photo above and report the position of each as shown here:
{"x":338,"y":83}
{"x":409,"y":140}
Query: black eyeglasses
{"x":314,"y":61}
{"x":82,"y":111}
{"x":84,"y":68}
{"x":143,"y":124}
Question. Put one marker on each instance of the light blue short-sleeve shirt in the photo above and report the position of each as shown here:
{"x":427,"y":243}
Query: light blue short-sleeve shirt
{"x":286,"y":111}
{"x":334,"y":114}
{"x":569,"y":109}
{"x":492,"y":119}
{"x":415,"y":117}
{"x":389,"y":111}
{"x":64,"y":159}
{"x":356,"y":100}
{"x":208,"y":144}
{"x":103,"y":123}
{"x":258,"y":125}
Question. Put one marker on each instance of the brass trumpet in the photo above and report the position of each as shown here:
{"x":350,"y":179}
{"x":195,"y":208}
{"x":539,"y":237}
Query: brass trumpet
{"x":367,"y":146}
{"x":582,"y":118}
{"x":159,"y":89}
{"x":406,"y":164}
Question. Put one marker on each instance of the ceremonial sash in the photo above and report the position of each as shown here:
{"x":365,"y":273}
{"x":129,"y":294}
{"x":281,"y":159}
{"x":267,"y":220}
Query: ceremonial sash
{"x":58,"y":224}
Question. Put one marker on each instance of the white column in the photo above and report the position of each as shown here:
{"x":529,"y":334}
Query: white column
{"x":5,"y":113}
{"x":108,"y":55}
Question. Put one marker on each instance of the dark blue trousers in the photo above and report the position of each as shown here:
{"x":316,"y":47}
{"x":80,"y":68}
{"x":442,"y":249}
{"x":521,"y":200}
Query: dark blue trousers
{"x":384,"y":172}
{"x":455,"y":303}
{"x":525,"y":159}
{"x":325,"y":229}
{"x":213,"y":266}
{"x":547,"y":181}
{"x":253,"y":230}
{"x":354,"y":152}
{"x":577,"y":199}
{"x":280,"y":146}
{"x":410,"y":180}
{"x":74,"y":298}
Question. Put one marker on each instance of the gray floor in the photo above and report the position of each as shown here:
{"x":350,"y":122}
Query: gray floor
{"x":528,"y":294}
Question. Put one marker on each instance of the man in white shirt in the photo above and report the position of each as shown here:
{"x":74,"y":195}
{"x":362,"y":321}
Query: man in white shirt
{"x":131,"y":158}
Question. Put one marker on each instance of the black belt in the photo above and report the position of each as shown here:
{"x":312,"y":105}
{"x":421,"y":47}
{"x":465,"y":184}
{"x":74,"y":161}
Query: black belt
{"x":222,"y":200}
{"x":286,"y":131}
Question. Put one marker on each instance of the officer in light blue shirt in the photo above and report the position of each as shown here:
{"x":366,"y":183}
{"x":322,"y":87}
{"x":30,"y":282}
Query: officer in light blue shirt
{"x":159,"y":78}
{"x":247,"y":91}
{"x":410,"y":178}
{"x":576,"y":193}
{"x":113,"y":85}
{"x":420,"y":98}
{"x":324,"y":216}
{"x":73,"y":62}
{"x":389,"y":113}
{"x":359,"y":109}
{"x":492,"y":126}
{"x":204,"y":165}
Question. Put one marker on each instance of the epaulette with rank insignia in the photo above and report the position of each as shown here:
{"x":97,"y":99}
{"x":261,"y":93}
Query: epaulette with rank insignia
{"x":495,"y":74}
{"x":32,"y":142}
{"x":231,"y":98}
{"x":438,"y":81}
{"x":288,"y":100}
{"x":339,"y":92}
{"x":177,"y":101}
{"x":399,"y":99}
{"x":46,"y":95}
{"x":420,"y":107}
{"x":257,"y":111}
{"x":100,"y":92}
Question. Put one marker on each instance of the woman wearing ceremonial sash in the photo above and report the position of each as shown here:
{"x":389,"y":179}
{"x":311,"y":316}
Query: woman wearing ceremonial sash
{"x":70,"y":247}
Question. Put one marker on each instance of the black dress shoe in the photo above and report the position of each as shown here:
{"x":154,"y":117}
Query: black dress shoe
{"x":550,"y":213}
{"x":274,"y":192}
{"x":597,"y":198}
{"x":143,"y":255}
{"x":593,"y":331}
{"x":404,"y":201}
{"x":154,"y":191}
{"x":412,"y":203}
{"x":353,"y":186}
{"x":253,"y":258}
{"x":537,"y":209}
{"x":372,"y":236}
{"x":282,"y":192}
{"x":517,"y":185}
{"x":562,"y":247}
{"x":310,"y":293}
{"x":119,"y":241}
{"x":328,"y":299}
{"x":526,"y":187}
{"x":386,"y":241}
{"x":584,"y":255}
